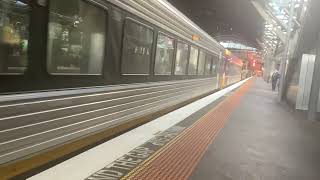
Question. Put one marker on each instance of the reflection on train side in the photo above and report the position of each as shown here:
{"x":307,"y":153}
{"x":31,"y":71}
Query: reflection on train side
{"x":76,"y":39}
{"x":14,"y":32}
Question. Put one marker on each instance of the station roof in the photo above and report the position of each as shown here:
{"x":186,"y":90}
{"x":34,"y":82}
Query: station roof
{"x":224,"y":17}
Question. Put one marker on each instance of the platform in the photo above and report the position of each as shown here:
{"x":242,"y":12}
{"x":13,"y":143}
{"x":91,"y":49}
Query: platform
{"x":263,"y":140}
{"x":241,"y":132}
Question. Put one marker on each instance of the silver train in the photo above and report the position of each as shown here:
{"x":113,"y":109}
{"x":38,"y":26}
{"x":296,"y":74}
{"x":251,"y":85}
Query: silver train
{"x":80,"y":67}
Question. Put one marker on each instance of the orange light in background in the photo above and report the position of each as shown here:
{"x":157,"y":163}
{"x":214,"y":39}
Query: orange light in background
{"x":195,"y":38}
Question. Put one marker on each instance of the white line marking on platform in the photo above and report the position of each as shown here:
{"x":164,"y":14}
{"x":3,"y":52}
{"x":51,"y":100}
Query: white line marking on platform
{"x":89,"y":162}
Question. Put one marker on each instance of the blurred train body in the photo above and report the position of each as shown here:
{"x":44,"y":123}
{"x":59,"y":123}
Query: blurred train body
{"x":74,"y":68}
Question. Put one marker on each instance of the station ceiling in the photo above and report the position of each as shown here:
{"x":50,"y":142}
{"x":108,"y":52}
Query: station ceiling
{"x":224,"y":17}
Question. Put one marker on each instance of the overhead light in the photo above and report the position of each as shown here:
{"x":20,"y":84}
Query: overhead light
{"x":195,"y":38}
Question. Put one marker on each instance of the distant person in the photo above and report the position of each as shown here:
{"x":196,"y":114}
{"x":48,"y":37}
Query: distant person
{"x":274,"y":79}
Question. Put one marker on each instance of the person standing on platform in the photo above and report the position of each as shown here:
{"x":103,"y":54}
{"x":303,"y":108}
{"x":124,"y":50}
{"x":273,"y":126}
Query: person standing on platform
{"x":274,"y":79}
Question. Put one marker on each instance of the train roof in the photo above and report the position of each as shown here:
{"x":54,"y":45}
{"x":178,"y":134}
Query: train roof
{"x":166,"y":16}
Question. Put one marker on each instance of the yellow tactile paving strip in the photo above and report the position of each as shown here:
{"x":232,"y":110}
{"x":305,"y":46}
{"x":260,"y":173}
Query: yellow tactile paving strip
{"x":177,"y":159}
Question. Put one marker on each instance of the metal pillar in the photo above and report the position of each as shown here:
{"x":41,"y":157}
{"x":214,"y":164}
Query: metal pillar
{"x":283,"y":65}
{"x":315,"y":87}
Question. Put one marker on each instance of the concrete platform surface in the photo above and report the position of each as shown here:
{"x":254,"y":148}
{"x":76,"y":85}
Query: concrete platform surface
{"x":263,"y":140}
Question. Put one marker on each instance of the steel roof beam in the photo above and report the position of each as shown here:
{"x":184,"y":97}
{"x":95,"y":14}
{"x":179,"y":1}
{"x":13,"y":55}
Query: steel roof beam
{"x":270,"y":20}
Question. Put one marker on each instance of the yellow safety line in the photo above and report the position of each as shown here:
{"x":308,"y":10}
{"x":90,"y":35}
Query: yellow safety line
{"x":153,"y":156}
{"x":149,"y":160}
{"x":146,"y":162}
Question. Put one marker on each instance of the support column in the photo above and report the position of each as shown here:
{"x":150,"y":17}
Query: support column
{"x":285,"y":59}
{"x":315,"y":87}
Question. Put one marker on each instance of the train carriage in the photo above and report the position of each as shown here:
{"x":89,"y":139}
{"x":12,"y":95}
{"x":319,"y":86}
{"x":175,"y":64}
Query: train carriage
{"x":70,"y":69}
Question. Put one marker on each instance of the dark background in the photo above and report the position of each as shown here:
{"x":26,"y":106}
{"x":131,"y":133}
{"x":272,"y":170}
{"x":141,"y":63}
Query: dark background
{"x":224,"y":17}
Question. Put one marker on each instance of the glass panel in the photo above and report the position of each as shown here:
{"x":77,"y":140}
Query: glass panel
{"x":202,"y":60}
{"x":164,"y":55}
{"x":137,"y":48}
{"x":181,"y":58}
{"x":214,"y":68}
{"x":77,"y":35}
{"x":207,"y":68}
{"x":193,"y":61}
{"x":14,"y":34}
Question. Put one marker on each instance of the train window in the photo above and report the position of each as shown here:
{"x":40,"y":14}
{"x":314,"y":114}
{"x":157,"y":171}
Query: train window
{"x":181,"y":58}
{"x":164,"y":55}
{"x":193,"y":61}
{"x":207,"y":67}
{"x":201,"y":63}
{"x":14,"y":35}
{"x":214,"y":68}
{"x":137,"y":48}
{"x":76,"y":37}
